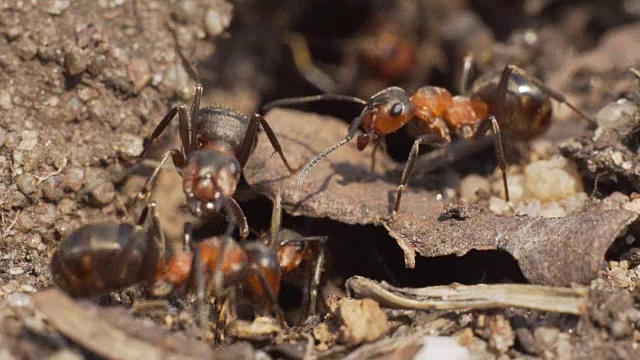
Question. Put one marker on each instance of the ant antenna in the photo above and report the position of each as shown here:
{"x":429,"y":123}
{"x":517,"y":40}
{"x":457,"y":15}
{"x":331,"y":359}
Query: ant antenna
{"x":353,"y":128}
{"x":319,"y":158}
{"x":188,"y":66}
{"x":312,"y":98}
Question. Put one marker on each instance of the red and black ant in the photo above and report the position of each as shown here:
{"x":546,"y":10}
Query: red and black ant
{"x":216,"y":144}
{"x":100,"y":258}
{"x":513,"y":100}
{"x":260,"y":265}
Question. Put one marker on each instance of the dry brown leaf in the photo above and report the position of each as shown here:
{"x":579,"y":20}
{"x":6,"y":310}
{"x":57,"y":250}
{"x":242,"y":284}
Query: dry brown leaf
{"x":549,"y":251}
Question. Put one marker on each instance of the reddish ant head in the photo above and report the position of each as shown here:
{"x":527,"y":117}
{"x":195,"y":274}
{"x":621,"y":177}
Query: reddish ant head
{"x":291,"y":254}
{"x":209,"y":178}
{"x":386,"y":112}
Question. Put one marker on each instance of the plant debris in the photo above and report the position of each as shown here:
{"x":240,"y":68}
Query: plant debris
{"x":460,"y":297}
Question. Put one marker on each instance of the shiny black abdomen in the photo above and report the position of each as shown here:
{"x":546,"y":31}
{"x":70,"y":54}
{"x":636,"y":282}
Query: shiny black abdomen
{"x":528,"y":112}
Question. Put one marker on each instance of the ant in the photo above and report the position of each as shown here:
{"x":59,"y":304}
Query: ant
{"x":216,"y":144}
{"x":100,"y":258}
{"x":512,"y":99}
{"x":261,"y":265}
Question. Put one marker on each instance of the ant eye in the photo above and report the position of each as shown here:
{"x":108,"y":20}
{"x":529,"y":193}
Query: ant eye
{"x":396,"y":109}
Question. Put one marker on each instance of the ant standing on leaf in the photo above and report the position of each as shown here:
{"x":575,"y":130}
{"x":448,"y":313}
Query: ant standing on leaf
{"x":216,"y":144}
{"x":513,"y":100}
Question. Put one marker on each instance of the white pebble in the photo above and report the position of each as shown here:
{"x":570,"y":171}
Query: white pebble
{"x":551,"y":180}
{"x":471,"y":185}
{"x":441,"y":347}
{"x":19,"y":299}
{"x":16,"y":270}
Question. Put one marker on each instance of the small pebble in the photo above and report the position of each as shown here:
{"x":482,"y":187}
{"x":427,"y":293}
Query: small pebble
{"x":473,"y":185}
{"x":546,"y":337}
{"x":3,"y":136}
{"x":19,"y":299}
{"x":498,"y":205}
{"x":551,"y":180}
{"x":129,"y":145}
{"x":5,"y":100}
{"x":56,"y":7}
{"x":441,"y":347}
{"x":29,"y":140}
{"x":217,"y":19}
{"x":140,"y":73}
{"x":53,"y":189}
{"x":16,"y":270}
{"x":26,"y":288}
{"x":75,"y":62}
{"x":10,"y":287}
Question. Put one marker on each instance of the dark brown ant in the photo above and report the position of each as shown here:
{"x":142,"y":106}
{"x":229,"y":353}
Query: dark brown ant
{"x":514,"y":100}
{"x":216,"y":144}
{"x":100,"y":258}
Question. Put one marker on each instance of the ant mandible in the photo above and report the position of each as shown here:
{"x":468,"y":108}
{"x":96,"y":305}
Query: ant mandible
{"x":216,"y":144}
{"x":513,"y":99}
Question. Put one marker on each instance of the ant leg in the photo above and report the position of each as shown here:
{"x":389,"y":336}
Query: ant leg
{"x":185,"y":126}
{"x":195,"y":107}
{"x":310,"y":99}
{"x":198,"y":278}
{"x":467,"y":66}
{"x":276,"y":221}
{"x":250,"y":137}
{"x":379,"y":143}
{"x":499,"y":148}
{"x":145,"y":193}
{"x":235,"y":216}
{"x":428,"y":139}
{"x":546,"y":89}
{"x":159,"y":246}
{"x":315,"y":280}
{"x":187,"y":240}
{"x":273,"y":299}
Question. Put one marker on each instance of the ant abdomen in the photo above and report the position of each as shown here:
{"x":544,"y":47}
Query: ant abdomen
{"x":100,"y":258}
{"x":527,"y":110}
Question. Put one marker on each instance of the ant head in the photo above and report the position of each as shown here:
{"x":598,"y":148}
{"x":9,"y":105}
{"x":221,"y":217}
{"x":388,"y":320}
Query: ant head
{"x":291,"y":254}
{"x":208,"y":178}
{"x":391,"y":102}
{"x":385,"y":112}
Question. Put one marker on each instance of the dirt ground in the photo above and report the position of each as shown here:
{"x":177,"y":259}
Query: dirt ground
{"x":84,"y":83}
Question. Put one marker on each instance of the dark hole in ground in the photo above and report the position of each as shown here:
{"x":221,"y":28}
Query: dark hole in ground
{"x":369,"y":251}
